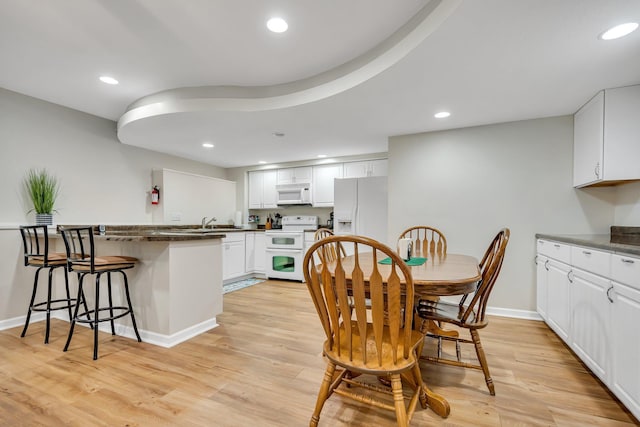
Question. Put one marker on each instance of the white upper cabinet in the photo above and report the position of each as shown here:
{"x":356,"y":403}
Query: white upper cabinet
{"x":365,"y":168}
{"x":301,"y":175}
{"x":262,"y":190}
{"x":323,"y":179}
{"x":606,"y":139}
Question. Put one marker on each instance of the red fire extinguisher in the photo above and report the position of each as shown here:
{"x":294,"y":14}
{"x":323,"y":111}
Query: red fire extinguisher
{"x":155,"y":195}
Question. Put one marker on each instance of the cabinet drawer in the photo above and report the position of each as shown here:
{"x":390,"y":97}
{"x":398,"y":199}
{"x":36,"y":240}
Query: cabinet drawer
{"x":233,"y":237}
{"x":555,"y":250}
{"x":626,"y":269}
{"x":588,"y":259}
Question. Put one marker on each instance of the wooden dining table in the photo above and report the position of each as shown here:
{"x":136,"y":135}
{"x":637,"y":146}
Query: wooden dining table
{"x":440,"y":275}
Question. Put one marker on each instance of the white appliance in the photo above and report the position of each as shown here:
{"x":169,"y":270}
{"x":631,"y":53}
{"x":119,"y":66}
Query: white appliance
{"x":360,"y":208}
{"x":284,"y":248}
{"x":293,"y":194}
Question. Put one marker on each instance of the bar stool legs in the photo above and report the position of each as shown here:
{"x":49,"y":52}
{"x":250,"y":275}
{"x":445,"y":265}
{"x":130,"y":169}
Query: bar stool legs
{"x":123,"y":310}
{"x":46,"y":306}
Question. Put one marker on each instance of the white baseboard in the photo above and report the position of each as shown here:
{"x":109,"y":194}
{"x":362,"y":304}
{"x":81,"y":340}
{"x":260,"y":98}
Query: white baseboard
{"x":513,"y":313}
{"x":154,"y":338}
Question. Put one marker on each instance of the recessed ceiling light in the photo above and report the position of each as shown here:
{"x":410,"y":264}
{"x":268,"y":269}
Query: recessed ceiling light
{"x":322,"y":156}
{"x":262,"y":162}
{"x":277,"y":25}
{"x":207,"y":145}
{"x":619,"y":31}
{"x":108,"y":80}
{"x":442,"y":114}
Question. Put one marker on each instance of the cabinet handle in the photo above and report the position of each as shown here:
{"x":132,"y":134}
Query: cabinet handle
{"x":535,"y":260}
{"x":557,"y":246}
{"x":597,"y":170}
{"x":569,"y":276}
{"x":626,"y":260}
{"x":608,"y":296}
{"x":586,"y":252}
{"x":546,"y":265}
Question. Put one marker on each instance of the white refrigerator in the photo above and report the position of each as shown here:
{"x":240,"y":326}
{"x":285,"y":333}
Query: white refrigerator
{"x":360,"y":207}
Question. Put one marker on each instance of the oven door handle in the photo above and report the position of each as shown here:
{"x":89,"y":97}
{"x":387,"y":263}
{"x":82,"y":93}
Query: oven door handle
{"x":283,"y":250}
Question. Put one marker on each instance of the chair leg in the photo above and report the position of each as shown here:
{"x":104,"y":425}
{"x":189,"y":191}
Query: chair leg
{"x":84,"y":303}
{"x":96,"y":318}
{"x":112,"y":322}
{"x":48,"y":312}
{"x":75,"y":311}
{"x":323,"y":394}
{"x":66,"y":286}
{"x":33,"y":298}
{"x":133,"y":318}
{"x":483,"y":360}
{"x":398,"y":400}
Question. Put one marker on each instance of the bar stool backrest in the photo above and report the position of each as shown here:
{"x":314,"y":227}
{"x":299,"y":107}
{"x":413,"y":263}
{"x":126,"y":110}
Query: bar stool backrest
{"x":35,"y":242}
{"x":78,"y":242}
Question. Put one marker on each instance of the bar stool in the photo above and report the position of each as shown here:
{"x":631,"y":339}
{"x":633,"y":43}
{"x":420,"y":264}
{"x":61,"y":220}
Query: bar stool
{"x":81,"y":258}
{"x":35,"y":243}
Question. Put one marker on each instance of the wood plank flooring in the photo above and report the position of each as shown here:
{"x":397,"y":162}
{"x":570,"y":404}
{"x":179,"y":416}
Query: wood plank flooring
{"x":263,"y":367}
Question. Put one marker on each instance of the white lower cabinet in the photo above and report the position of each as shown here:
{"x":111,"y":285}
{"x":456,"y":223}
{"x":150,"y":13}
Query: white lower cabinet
{"x":558,"y":298}
{"x":590,"y":321}
{"x":541,"y":288}
{"x":592,"y":301}
{"x":254,"y":252}
{"x":233,"y":254}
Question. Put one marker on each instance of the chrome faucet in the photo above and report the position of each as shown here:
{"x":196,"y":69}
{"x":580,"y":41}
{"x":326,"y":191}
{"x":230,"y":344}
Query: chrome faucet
{"x":204,"y":224}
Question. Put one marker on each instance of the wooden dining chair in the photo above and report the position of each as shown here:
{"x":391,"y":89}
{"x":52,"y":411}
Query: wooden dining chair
{"x":330,"y":252}
{"x":361,"y":340}
{"x":472,"y":316}
{"x":427,"y":241}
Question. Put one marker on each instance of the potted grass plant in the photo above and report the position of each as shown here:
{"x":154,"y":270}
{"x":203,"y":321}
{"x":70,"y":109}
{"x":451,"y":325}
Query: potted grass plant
{"x":42,"y":189}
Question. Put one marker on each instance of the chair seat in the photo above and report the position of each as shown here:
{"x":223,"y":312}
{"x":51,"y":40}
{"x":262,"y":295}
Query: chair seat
{"x":109,"y":260}
{"x":54,"y":258}
{"x":447,"y":312}
{"x":356,"y":362}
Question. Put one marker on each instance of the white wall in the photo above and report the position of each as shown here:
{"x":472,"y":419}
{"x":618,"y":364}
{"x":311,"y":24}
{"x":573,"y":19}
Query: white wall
{"x":471,"y":182}
{"x":102,"y":180}
{"x":628,"y":204}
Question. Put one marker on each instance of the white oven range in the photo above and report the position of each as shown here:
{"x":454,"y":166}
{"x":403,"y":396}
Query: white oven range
{"x":285,"y":247}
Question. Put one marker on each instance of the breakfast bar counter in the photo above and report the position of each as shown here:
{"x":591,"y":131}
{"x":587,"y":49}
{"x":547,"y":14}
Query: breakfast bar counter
{"x":176,"y":287}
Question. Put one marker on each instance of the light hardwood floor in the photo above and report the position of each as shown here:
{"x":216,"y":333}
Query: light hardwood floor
{"x":263,"y":367}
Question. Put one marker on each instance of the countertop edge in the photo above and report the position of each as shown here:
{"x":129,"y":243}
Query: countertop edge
{"x":594,"y":241}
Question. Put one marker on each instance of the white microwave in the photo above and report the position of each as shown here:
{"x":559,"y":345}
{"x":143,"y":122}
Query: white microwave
{"x":294,"y":194}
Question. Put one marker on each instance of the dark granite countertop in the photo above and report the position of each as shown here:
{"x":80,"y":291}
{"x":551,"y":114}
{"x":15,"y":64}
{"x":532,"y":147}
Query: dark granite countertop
{"x":595,"y":241}
{"x":160,"y":233}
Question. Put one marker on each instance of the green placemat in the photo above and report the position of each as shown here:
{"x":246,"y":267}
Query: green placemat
{"x":411,"y":262}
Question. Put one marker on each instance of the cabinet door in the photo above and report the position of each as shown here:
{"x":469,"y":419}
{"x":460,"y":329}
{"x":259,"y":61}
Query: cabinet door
{"x":285,"y":176}
{"x":621,"y":130}
{"x":269,"y":194}
{"x":260,"y":253}
{"x":378,"y":167}
{"x":232,"y":257}
{"x":323,"y":179}
{"x":558,"y":299}
{"x":255,"y":189}
{"x":541,"y":285}
{"x":302,"y":175}
{"x":590,"y":321}
{"x":249,"y":252}
{"x":625,"y":369}
{"x":588,"y":142}
{"x":355,"y":169}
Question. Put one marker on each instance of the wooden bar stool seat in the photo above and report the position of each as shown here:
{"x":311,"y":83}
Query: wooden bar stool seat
{"x":81,"y":257}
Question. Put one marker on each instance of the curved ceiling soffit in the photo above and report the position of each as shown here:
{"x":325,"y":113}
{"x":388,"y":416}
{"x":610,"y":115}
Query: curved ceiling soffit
{"x":321,"y":86}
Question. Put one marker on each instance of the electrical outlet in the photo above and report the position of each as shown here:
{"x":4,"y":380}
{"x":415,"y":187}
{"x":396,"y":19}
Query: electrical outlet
{"x":175,"y":216}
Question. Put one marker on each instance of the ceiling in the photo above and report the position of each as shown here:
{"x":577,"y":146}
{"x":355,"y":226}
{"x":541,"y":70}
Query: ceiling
{"x":342,"y":79}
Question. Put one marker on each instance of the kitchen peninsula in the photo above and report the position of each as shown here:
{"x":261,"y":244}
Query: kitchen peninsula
{"x":176,"y":287}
